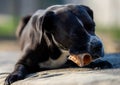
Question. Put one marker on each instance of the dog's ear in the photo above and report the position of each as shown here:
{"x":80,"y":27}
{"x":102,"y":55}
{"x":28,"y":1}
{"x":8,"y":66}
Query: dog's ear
{"x":49,"y":21}
{"x":90,"y":25}
{"x":40,"y":24}
{"x":22,"y":24}
{"x":37,"y":25}
{"x":89,"y":11}
{"x":85,"y":14}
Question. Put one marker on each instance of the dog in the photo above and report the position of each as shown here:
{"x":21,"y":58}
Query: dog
{"x":49,"y":36}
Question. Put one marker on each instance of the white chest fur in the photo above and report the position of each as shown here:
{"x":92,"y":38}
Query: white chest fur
{"x":50,"y":63}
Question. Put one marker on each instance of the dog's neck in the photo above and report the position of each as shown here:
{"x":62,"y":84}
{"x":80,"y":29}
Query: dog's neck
{"x":57,"y":57}
{"x":58,"y":44}
{"x":54,"y":50}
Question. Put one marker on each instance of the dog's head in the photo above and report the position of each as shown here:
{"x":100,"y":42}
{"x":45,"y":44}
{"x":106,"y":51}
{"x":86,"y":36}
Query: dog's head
{"x":72,"y":28}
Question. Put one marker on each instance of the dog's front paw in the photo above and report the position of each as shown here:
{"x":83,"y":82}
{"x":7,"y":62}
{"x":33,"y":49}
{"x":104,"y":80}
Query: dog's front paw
{"x":99,"y":64}
{"x":13,"y":77}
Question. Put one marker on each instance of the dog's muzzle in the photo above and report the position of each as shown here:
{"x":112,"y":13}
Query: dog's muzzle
{"x":95,"y":47}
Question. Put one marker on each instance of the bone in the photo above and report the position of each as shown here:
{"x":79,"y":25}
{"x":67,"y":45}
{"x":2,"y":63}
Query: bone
{"x":81,"y":59}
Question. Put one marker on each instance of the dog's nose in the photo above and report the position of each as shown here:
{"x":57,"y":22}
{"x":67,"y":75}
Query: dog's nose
{"x":96,"y":46}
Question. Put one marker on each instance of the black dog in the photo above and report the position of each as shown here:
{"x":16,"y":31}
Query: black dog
{"x":49,"y":36}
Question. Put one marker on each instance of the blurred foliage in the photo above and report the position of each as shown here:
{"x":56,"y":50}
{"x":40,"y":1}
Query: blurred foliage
{"x":8,"y":27}
{"x":113,"y":32}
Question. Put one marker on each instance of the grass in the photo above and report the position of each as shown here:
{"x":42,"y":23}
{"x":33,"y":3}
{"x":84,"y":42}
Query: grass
{"x":8,"y":27}
{"x":7,"y":30}
{"x":113,"y":31}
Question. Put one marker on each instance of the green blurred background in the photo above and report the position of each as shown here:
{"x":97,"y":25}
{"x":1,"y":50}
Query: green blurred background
{"x":106,"y":16}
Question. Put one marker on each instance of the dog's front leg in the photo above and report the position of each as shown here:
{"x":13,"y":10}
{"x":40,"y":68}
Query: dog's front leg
{"x":19,"y":73}
{"x":24,"y":66}
{"x":99,"y":64}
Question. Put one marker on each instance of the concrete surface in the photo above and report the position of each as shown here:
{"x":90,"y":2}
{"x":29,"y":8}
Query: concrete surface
{"x":69,"y":76}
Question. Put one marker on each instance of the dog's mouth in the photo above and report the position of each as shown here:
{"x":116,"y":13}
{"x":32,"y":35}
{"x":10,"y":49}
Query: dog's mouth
{"x":81,"y":59}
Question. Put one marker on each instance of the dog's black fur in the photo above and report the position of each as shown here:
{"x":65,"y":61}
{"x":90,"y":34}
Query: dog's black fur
{"x":45,"y":34}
